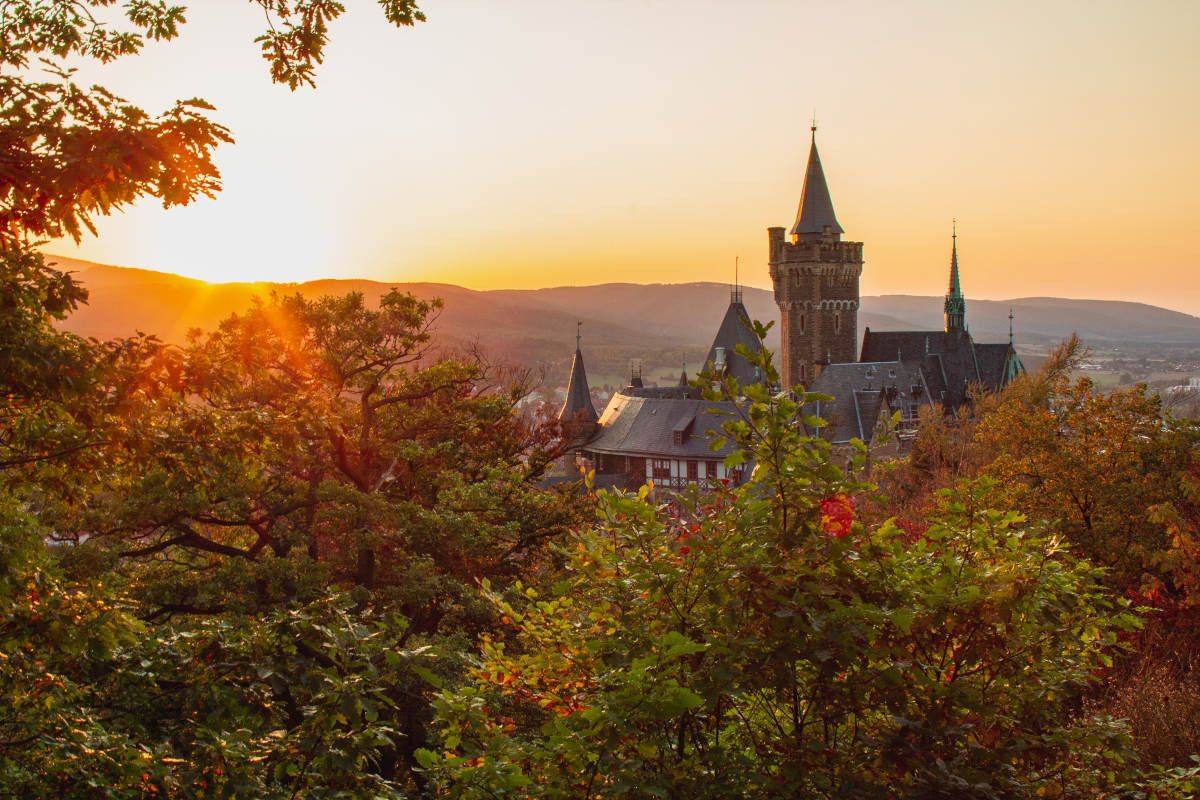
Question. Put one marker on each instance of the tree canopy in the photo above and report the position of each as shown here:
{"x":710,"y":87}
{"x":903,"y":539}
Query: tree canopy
{"x":299,"y":556}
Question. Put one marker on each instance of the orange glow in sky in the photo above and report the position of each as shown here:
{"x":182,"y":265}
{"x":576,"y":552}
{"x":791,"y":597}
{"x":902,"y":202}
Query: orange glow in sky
{"x":551,"y":142}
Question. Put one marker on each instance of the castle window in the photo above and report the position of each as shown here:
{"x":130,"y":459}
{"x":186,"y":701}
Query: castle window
{"x":837,"y":323}
{"x":803,"y":377}
{"x":802,"y":323}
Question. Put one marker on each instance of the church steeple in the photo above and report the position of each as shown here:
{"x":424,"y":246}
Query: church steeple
{"x":578,"y":405}
{"x":815,"y":213}
{"x":956,"y":304}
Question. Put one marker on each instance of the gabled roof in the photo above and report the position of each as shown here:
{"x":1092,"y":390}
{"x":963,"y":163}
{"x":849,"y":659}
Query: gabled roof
{"x":861,"y":393}
{"x":722,"y":356}
{"x":950,"y":361}
{"x":996,"y":363}
{"x":578,"y":405}
{"x":656,"y":427}
{"x":816,"y":207}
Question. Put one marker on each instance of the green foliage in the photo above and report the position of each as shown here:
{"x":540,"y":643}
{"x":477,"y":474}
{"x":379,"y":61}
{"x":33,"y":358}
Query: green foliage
{"x":759,"y":643}
{"x":1105,"y":468}
{"x":73,"y":153}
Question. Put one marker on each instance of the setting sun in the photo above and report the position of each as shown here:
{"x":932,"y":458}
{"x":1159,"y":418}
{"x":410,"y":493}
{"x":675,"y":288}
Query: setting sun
{"x":519,"y":147}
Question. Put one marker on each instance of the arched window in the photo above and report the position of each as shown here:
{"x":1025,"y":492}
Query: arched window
{"x":837,"y":323}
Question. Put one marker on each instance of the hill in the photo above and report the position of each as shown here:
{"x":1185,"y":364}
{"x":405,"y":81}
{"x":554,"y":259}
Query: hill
{"x":664,"y":324}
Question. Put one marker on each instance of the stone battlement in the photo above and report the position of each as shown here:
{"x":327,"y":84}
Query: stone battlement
{"x":827,"y":249}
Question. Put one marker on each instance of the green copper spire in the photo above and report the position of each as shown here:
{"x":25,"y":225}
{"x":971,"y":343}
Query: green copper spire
{"x":956,"y":304}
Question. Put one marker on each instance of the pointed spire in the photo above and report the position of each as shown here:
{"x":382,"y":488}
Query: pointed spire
{"x":683,"y":379}
{"x":734,"y":330}
{"x":578,"y":405}
{"x":956,"y":304}
{"x":816,"y":207}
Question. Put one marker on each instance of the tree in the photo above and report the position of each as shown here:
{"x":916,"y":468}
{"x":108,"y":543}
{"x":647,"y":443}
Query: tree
{"x":69,"y":153}
{"x":252,"y":529}
{"x":764,"y":642}
{"x":1113,"y":474}
{"x":291,"y":504}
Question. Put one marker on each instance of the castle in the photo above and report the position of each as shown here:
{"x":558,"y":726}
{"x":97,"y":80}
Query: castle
{"x":659,"y":433}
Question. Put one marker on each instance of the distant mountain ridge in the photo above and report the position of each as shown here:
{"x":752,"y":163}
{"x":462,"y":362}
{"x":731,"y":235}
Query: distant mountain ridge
{"x":665,"y":324}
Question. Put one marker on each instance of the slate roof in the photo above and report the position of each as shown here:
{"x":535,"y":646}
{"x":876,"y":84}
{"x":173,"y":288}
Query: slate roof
{"x":735,"y":330}
{"x":578,"y":405}
{"x":861,"y":391}
{"x":674,"y":392}
{"x":950,"y":361}
{"x":816,"y":207}
{"x":998,"y":363}
{"x":648,"y":427}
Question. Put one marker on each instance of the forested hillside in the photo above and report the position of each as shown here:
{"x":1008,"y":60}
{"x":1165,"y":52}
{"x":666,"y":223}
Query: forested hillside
{"x":661,"y":324}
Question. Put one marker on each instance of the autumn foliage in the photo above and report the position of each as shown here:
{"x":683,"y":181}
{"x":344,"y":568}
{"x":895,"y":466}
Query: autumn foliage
{"x":300,"y":557}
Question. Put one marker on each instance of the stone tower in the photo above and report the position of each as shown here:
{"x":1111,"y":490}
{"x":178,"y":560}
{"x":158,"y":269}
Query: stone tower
{"x":816,"y":283}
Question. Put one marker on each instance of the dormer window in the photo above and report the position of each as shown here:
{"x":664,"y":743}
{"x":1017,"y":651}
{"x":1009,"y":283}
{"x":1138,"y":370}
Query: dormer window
{"x":683,"y":431}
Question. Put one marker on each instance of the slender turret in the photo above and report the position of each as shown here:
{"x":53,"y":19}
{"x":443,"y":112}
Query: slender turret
{"x":956,"y":304}
{"x":577,"y":408}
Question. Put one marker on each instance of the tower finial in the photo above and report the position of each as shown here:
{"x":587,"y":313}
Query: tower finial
{"x":814,"y":124}
{"x":578,"y":334}
{"x":1010,"y":319}
{"x":735,"y":296}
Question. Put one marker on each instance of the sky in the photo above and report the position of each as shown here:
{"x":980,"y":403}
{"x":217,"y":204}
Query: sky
{"x":560,"y":142}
